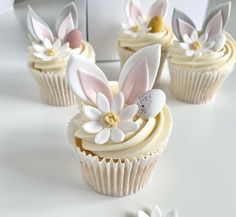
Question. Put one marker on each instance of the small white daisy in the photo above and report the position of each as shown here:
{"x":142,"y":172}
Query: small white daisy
{"x":110,"y":120}
{"x":196,"y":45}
{"x":48,"y":51}
{"x":156,"y":212}
{"x":136,"y":28}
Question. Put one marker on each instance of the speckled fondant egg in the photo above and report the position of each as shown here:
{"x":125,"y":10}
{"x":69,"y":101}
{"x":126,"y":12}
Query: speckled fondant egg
{"x":150,"y":103}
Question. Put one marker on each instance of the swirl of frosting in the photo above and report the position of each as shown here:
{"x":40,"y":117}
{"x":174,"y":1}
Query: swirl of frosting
{"x":207,"y":61}
{"x":164,"y":38}
{"x":151,"y":136}
{"x":59,"y":65}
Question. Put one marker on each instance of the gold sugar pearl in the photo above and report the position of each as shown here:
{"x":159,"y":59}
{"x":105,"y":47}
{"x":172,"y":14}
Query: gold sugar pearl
{"x":136,"y":28}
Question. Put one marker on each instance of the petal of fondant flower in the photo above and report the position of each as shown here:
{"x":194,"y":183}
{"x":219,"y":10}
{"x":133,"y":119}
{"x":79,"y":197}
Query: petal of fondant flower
{"x":203,"y":38}
{"x":189,"y":53}
{"x":118,"y":102}
{"x":187,"y":39}
{"x":103,"y":136}
{"x":117,"y":135}
{"x":92,"y":113}
{"x":128,"y":126}
{"x":57,"y":44}
{"x":194,"y":36}
{"x":39,"y":48}
{"x":128,"y":112}
{"x":92,"y":127}
{"x":47,"y":43}
{"x":102,"y":103}
{"x":184,"y":46}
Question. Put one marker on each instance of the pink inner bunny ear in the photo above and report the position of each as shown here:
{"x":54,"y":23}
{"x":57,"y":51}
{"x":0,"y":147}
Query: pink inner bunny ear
{"x":185,"y":28}
{"x":214,"y":26}
{"x":41,"y":31}
{"x":137,"y":82}
{"x":159,"y":8}
{"x":133,"y":10}
{"x":66,"y":26}
{"x":91,"y":85}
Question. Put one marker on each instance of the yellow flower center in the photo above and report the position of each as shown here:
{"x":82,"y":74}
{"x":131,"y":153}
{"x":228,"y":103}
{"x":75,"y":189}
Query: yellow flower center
{"x":196,"y":45}
{"x":156,"y":24}
{"x":111,"y":119}
{"x":52,"y":52}
{"x":136,"y":28}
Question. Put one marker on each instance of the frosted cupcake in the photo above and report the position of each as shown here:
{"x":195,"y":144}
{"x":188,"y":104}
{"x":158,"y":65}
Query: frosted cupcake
{"x":122,"y":127}
{"x":49,"y":54}
{"x":144,"y":31}
{"x":200,"y":61}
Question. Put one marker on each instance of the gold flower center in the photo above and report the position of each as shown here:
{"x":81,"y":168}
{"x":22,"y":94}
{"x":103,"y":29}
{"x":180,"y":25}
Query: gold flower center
{"x":52,"y":52}
{"x":110,"y":119}
{"x":136,"y":28}
{"x":196,"y":45}
{"x":156,"y":24}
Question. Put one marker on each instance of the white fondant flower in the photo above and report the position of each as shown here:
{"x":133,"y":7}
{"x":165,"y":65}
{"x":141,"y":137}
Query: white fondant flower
{"x":48,"y":51}
{"x":196,"y":45}
{"x":137,"y":28}
{"x":156,"y":212}
{"x":110,"y":120}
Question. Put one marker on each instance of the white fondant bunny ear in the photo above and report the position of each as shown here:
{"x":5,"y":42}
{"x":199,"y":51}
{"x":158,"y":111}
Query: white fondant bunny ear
{"x":86,"y":79}
{"x":216,"y":20}
{"x":37,"y":27}
{"x":139,"y":72}
{"x":181,"y":24}
{"x":67,"y":20}
{"x":159,"y":8}
{"x":133,"y":10}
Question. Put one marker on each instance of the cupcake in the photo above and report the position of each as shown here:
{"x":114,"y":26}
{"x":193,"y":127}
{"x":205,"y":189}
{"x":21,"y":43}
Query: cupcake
{"x":49,"y":54}
{"x":144,"y":31}
{"x":200,"y":61}
{"x":122,"y":127}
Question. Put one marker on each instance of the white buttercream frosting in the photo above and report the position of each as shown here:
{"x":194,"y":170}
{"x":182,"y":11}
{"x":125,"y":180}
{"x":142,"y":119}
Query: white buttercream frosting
{"x":151,"y":136}
{"x":209,"y":60}
{"x":59,"y":65}
{"x":164,"y":38}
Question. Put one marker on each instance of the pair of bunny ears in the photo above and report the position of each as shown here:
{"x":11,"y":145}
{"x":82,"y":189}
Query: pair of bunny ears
{"x":133,"y":10}
{"x":213,"y":25}
{"x":137,"y":76}
{"x":67,"y":20}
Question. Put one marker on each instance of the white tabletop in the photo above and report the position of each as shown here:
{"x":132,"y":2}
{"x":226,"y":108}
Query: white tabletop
{"x":40,"y":176}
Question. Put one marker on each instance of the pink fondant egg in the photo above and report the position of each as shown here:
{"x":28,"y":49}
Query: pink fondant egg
{"x":74,"y":38}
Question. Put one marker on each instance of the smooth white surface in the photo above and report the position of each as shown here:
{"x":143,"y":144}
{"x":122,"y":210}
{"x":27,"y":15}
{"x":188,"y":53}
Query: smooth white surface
{"x":40,"y":176}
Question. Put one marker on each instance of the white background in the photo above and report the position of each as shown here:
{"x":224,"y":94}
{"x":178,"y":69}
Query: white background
{"x":40,"y":176}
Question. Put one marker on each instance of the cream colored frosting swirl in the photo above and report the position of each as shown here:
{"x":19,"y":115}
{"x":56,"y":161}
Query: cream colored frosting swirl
{"x":164,"y":38}
{"x":59,"y":65}
{"x":208,"y":61}
{"x":151,"y":136}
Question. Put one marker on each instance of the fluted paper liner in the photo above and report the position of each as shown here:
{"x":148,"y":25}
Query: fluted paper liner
{"x":114,"y":178}
{"x":194,"y":86}
{"x":125,"y":53}
{"x":53,"y":88}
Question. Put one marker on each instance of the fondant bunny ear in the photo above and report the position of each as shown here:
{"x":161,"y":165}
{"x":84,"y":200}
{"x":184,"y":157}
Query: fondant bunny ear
{"x":218,"y":18}
{"x":86,"y":79}
{"x":159,"y":8}
{"x":67,"y":20}
{"x":139,"y":72}
{"x":181,"y":24}
{"x":133,"y":10}
{"x":37,"y":27}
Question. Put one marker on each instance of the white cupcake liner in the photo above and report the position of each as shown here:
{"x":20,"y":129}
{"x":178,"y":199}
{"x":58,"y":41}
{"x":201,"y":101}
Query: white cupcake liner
{"x":53,"y":88}
{"x":125,"y":53}
{"x":114,"y":178}
{"x":194,"y":86}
